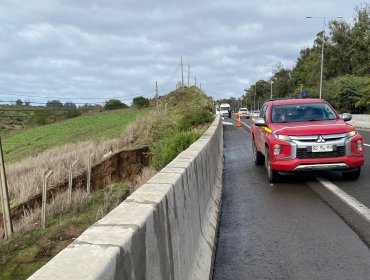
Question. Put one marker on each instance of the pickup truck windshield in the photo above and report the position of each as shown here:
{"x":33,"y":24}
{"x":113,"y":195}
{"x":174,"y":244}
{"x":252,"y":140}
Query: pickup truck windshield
{"x":302,"y":113}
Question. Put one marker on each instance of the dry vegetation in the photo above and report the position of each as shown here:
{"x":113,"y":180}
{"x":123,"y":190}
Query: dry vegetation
{"x":25,"y":177}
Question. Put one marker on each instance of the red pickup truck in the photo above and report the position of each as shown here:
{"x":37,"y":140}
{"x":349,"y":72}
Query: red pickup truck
{"x":292,"y":135}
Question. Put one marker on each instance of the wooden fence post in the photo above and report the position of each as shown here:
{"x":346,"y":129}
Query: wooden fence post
{"x":44,"y":194}
{"x":70,"y":181}
{"x":89,"y":173}
{"x":8,"y":226}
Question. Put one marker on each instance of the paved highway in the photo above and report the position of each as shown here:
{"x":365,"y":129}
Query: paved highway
{"x":285,"y":230}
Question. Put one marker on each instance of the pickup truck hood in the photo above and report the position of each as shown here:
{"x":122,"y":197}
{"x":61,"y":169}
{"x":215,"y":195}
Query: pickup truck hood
{"x":311,"y":127}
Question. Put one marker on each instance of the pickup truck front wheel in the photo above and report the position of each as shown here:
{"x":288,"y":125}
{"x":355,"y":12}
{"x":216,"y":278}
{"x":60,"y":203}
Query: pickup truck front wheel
{"x":273,"y":175}
{"x":351,"y":175}
{"x":257,"y":156}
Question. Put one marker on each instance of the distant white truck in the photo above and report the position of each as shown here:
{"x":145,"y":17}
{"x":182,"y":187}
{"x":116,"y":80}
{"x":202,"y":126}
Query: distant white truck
{"x":224,"y":109}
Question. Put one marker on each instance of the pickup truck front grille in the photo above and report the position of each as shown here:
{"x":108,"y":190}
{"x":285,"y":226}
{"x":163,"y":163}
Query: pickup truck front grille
{"x":302,"y":153}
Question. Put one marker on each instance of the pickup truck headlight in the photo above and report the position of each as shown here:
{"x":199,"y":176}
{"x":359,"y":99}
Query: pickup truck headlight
{"x":281,"y":137}
{"x":352,"y":133}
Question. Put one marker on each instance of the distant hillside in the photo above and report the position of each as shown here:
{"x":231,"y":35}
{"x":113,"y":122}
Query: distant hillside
{"x":15,"y":117}
{"x":97,"y":126}
{"x":18,"y":117}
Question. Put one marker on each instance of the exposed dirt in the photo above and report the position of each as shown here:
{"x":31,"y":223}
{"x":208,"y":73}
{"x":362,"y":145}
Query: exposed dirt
{"x":123,"y":166}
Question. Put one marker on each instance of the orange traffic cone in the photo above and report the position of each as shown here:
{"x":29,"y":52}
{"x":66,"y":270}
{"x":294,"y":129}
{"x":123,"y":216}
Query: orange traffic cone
{"x":239,"y":124}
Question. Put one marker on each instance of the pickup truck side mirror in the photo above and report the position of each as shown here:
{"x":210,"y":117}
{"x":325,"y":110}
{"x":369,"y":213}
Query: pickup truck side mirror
{"x":346,"y":117}
{"x":259,"y":122}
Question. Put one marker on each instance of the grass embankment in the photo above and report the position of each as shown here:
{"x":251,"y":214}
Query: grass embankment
{"x":97,"y":126}
{"x":21,"y":257}
{"x":167,"y":132}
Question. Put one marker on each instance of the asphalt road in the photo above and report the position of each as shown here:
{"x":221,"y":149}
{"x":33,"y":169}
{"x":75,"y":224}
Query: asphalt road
{"x":281,"y":231}
{"x":359,"y":189}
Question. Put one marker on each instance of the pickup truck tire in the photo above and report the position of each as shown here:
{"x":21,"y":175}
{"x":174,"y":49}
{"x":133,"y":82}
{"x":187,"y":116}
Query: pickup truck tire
{"x":351,"y":175}
{"x":257,"y":156}
{"x":273,"y":175}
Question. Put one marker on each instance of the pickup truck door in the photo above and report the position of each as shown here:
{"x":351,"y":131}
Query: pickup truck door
{"x":261,"y":131}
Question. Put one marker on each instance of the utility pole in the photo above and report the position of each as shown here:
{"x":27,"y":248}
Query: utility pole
{"x":200,"y":86}
{"x":301,"y":88}
{"x":188,"y":75}
{"x":8,"y":226}
{"x":195,"y":79}
{"x":182,"y":75}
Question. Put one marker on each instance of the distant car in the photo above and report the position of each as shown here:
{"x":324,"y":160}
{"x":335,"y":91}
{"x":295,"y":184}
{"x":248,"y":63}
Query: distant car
{"x":255,"y":114}
{"x":244,"y":113}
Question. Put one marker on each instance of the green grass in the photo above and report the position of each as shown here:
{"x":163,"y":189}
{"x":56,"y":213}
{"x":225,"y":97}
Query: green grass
{"x":26,"y":253}
{"x":98,"y":126}
{"x":186,"y":121}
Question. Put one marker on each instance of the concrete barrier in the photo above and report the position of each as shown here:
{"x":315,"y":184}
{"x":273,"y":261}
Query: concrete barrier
{"x":164,"y":230}
{"x":360,"y":121}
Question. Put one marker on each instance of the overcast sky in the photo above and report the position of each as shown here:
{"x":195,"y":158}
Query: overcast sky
{"x":90,"y":51}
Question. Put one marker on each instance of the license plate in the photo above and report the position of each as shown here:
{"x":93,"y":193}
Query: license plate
{"x":322,"y":148}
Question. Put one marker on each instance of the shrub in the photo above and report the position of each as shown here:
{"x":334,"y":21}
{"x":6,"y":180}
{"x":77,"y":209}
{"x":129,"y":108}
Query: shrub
{"x":140,"y":102}
{"x":114,"y":104}
{"x":195,"y":118}
{"x":165,"y":151}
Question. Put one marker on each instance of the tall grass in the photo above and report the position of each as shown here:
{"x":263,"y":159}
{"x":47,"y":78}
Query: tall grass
{"x":25,"y":177}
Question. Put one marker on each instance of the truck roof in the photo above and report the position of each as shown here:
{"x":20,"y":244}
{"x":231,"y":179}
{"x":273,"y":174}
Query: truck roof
{"x":292,"y":101}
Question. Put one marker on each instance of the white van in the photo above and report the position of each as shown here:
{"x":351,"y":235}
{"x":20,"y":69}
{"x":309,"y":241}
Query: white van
{"x":224,"y":109}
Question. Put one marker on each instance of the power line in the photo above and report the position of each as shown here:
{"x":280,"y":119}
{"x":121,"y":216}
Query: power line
{"x":127,"y":97}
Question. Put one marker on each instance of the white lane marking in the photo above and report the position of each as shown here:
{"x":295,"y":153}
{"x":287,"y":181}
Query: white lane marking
{"x":367,"y":145}
{"x":243,"y":123}
{"x":246,"y":125}
{"x":350,"y":201}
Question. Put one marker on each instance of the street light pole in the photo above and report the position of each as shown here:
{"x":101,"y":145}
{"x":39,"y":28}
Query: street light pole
{"x":322,"y":48}
{"x":272,"y":72}
{"x":254,"y":98}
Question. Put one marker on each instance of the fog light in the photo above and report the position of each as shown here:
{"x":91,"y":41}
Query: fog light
{"x":277,"y":149}
{"x":359,"y":145}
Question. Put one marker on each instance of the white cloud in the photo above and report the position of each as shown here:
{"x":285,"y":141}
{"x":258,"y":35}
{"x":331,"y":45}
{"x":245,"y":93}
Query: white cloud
{"x":120,"y":48}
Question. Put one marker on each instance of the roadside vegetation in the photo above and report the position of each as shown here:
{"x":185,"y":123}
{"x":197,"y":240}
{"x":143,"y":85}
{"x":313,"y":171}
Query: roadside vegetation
{"x":346,"y":71}
{"x":180,"y":119}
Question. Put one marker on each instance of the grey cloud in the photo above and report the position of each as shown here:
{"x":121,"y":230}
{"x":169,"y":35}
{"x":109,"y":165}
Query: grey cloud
{"x":120,"y":48}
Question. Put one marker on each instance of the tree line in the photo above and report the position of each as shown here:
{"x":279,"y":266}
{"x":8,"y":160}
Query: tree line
{"x":55,"y":110}
{"x":346,"y":68}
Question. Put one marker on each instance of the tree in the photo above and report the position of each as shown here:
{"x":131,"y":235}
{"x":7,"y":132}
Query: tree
{"x":140,"y":102}
{"x":361,"y":41}
{"x":338,"y":50}
{"x":54,"y":105}
{"x":70,"y":110}
{"x":114,"y":104}
{"x":282,"y":83}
